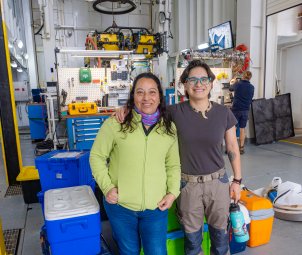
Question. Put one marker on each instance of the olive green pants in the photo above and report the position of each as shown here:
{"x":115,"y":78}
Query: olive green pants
{"x":208,"y":199}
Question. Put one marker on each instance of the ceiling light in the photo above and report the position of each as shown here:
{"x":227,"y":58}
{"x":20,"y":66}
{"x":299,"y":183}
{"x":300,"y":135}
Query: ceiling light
{"x":93,"y":56}
{"x":128,"y":6}
{"x":203,"y":46}
{"x":13,"y":64}
{"x":25,"y":55}
{"x":19,"y":44}
{"x":95,"y":53}
{"x":19,"y":69}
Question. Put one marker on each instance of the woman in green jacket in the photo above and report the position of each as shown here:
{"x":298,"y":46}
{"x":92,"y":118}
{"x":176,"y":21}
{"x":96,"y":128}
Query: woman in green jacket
{"x":142,"y":178}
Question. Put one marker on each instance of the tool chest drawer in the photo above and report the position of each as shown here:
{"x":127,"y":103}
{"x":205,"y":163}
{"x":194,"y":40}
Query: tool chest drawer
{"x":83,"y":130}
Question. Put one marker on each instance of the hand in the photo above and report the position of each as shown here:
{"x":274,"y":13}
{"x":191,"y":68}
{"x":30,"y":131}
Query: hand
{"x":235,"y":190}
{"x":121,"y":113}
{"x":166,"y":202}
{"x":112,"y":196}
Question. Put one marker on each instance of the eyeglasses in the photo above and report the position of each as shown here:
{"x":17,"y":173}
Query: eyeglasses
{"x":193,"y":81}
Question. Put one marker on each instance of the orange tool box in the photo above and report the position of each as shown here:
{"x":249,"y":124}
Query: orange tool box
{"x":82,"y":108}
{"x":262,"y":217}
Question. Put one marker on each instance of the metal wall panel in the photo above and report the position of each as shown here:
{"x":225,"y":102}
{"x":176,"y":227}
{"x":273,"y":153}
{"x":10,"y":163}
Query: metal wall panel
{"x":274,"y":6}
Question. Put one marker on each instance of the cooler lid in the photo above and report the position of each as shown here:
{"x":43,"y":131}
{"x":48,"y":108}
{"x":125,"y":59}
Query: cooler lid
{"x":70,"y":202}
{"x":254,"y":202}
{"x":67,"y":154}
{"x":59,"y":155}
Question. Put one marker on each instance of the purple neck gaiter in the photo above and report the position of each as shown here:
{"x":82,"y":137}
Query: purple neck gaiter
{"x":148,"y":119}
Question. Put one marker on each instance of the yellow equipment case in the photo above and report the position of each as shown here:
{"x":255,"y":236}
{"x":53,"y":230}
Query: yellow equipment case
{"x":109,"y":41}
{"x":82,"y":108}
{"x":146,"y":44}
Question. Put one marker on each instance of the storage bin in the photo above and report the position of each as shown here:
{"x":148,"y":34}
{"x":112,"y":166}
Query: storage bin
{"x":175,"y":242}
{"x":262,"y":216}
{"x":29,"y":178}
{"x":61,"y":169}
{"x":72,"y":219}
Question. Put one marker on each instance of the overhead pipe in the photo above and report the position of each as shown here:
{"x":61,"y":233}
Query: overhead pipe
{"x":44,"y":9}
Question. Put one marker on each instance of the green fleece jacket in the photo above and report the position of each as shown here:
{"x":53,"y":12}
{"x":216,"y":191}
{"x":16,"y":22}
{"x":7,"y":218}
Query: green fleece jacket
{"x":143,"y":168}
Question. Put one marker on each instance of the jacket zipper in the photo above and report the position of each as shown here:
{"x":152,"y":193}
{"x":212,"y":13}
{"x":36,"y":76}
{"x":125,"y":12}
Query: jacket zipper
{"x":144,"y":169}
{"x":143,"y":175}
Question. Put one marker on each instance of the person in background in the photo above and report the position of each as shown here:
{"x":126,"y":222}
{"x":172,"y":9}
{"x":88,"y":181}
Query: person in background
{"x":202,"y":125}
{"x":243,"y":95}
{"x":142,"y":179}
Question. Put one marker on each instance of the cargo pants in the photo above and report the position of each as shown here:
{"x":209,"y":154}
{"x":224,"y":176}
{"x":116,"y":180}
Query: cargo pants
{"x":209,"y":198}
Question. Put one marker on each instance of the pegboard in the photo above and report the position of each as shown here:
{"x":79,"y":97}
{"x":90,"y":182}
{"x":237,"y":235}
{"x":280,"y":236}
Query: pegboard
{"x":68,"y":79}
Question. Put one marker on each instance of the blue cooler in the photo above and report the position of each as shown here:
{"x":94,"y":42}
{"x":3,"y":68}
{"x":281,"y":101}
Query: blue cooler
{"x":72,"y":219}
{"x":61,"y":169}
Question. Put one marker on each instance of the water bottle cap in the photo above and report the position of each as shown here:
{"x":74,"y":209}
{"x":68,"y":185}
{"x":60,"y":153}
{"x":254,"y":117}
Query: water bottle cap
{"x":234,"y":207}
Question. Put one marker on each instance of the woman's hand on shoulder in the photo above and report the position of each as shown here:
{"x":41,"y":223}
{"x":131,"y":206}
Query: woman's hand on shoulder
{"x":112,"y":196}
{"x":120,"y":114}
{"x":166,"y":202}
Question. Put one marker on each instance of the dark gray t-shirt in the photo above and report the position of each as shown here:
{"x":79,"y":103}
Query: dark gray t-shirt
{"x":200,"y":139}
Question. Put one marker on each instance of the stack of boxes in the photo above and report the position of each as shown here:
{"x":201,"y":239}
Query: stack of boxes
{"x":70,"y":209}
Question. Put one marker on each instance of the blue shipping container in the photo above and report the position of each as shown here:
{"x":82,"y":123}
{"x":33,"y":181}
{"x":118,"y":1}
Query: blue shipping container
{"x":62,"y":168}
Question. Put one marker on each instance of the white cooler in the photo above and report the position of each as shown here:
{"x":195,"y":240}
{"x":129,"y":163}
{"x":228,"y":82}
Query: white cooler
{"x":72,"y":219}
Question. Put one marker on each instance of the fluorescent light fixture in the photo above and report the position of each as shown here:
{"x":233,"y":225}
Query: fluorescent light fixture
{"x":19,"y":44}
{"x":25,"y":56}
{"x":203,"y":46}
{"x":93,"y":56}
{"x":135,"y":57}
{"x":95,"y":53}
{"x":13,"y":64}
{"x":19,"y":69}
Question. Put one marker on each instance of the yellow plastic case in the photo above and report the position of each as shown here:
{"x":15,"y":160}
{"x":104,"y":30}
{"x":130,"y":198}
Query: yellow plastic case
{"x":109,"y":41}
{"x":145,"y":44}
{"x":82,"y":108}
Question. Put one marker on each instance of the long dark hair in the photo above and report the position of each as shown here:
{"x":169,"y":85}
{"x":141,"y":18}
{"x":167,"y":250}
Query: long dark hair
{"x":196,"y":63}
{"x":164,"y":119}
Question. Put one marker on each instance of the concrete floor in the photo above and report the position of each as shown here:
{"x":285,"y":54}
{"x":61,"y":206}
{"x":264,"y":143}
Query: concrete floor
{"x":259,"y":165}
